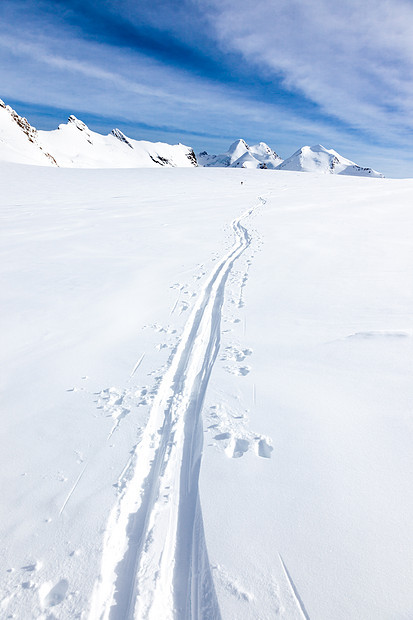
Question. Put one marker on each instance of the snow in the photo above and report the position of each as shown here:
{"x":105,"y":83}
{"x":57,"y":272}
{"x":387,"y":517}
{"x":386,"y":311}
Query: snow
{"x":160,"y":323}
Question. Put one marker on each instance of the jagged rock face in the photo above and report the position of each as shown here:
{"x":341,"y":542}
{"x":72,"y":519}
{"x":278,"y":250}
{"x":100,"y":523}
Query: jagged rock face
{"x":24,"y":124}
{"x":121,"y":136}
{"x":192,"y":157}
{"x":21,"y":121}
{"x":77,"y":123}
{"x":158,"y":159}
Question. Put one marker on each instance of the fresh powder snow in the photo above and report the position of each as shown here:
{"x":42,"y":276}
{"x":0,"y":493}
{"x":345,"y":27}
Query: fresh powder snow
{"x":206,"y":394}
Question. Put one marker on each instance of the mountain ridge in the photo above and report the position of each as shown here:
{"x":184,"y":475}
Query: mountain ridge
{"x":74,"y":145}
{"x":241,"y":155}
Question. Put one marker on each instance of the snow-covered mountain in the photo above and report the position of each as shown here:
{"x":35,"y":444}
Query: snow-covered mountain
{"x":19,"y":141}
{"x":319,"y":159}
{"x":307,"y":159}
{"x":241,"y":155}
{"x":74,"y":145}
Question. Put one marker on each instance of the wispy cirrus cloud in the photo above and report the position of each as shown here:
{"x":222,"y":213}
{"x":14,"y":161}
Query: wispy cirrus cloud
{"x":354,"y":60}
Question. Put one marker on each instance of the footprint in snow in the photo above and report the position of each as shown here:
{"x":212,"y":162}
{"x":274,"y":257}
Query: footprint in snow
{"x":232,"y":585}
{"x":159,"y":347}
{"x":236,"y":447}
{"x":235,"y":354}
{"x":264,"y":449}
{"x":183,"y":307}
{"x":50,"y":595}
{"x":240,"y":371}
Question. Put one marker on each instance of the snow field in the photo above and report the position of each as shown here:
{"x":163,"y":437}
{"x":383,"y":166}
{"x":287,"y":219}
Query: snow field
{"x":127,"y":295}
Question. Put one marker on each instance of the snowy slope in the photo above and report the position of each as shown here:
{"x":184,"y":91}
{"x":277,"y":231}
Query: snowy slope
{"x":160,"y":324}
{"x":19,"y":141}
{"x":321,"y":160}
{"x":74,"y":145}
{"x":241,"y":155}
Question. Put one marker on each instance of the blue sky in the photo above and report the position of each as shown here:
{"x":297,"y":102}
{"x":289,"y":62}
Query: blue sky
{"x":206,"y":72}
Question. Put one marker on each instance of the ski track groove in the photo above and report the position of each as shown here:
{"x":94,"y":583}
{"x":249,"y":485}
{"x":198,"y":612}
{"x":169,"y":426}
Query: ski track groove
{"x":155,"y":562}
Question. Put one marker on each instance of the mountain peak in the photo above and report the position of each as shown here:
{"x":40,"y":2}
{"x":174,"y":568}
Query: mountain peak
{"x":324,"y":161}
{"x":72,"y":120}
{"x":19,"y":140}
{"x":241,"y":155}
{"x":239,"y":144}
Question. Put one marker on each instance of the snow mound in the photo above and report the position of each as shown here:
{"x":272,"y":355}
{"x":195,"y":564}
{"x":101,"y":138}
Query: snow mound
{"x":241,"y":155}
{"x":74,"y":145}
{"x":319,"y":159}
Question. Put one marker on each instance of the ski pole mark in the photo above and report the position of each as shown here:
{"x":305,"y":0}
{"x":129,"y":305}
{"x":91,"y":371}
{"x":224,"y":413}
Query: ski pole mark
{"x":155,"y":561}
{"x":294,"y":590}
{"x":138,"y":363}
{"x":78,"y":479}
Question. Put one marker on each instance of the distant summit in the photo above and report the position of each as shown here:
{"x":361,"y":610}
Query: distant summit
{"x":240,"y":155}
{"x":307,"y":159}
{"x":319,"y":159}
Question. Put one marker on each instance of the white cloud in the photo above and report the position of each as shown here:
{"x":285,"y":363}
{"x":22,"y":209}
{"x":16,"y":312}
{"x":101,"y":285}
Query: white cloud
{"x":102,"y":79}
{"x":354,"y":59}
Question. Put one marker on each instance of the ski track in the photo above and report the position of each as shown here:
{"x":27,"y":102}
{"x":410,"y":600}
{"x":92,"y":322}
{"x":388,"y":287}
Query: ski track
{"x":155,"y":562}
